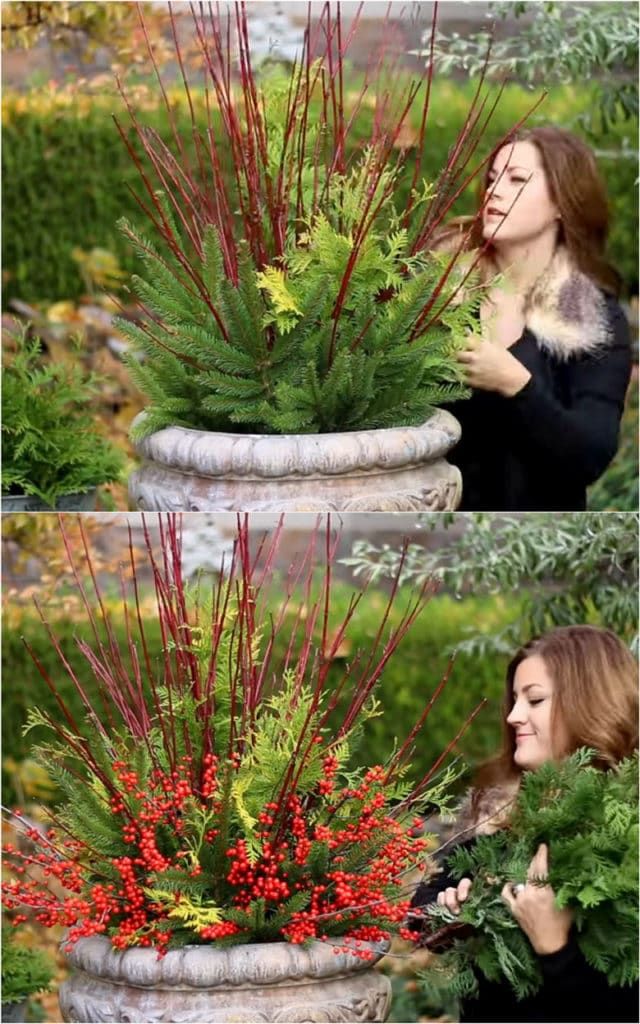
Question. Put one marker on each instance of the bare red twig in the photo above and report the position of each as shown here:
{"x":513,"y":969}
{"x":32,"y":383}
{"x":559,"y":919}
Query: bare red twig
{"x":236,"y":185}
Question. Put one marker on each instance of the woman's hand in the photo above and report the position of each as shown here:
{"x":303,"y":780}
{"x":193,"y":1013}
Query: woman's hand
{"x":491,"y":367}
{"x":546,"y":926}
{"x":453,"y":898}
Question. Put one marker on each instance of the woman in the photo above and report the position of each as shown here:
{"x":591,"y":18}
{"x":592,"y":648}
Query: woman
{"x":550,"y":364}
{"x":575,"y":686}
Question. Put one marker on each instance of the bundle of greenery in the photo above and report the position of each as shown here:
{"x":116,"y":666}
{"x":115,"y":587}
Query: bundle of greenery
{"x":589,"y":819}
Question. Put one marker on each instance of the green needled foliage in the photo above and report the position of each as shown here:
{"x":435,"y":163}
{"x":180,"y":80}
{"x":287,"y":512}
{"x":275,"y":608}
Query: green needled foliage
{"x":24,"y":971}
{"x":589,"y":819}
{"x":286,"y":365}
{"x":50,"y":446}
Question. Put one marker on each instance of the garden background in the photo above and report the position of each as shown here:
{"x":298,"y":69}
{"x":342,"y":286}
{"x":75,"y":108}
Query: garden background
{"x":501,"y":581}
{"x":67,"y":175}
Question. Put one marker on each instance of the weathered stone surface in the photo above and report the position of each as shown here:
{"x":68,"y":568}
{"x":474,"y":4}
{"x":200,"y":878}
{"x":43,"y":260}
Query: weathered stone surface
{"x":401,"y":469}
{"x":266,"y":982}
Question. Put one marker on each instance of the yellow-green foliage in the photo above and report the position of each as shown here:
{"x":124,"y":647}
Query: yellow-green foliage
{"x":275,"y":747}
{"x":187,"y":909}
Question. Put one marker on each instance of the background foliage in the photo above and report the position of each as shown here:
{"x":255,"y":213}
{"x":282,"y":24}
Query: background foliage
{"x":617,"y":488}
{"x":64,"y":24}
{"x":415,"y":671}
{"x":562,"y":42}
{"x":562,"y":569}
{"x":25,"y":971}
{"x":50,"y":209}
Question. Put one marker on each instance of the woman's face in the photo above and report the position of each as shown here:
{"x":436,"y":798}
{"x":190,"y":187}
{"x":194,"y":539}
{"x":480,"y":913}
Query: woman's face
{"x":518,"y":205}
{"x":530,"y":717}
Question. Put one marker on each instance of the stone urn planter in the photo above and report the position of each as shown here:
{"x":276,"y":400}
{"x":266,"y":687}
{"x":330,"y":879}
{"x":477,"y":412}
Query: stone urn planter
{"x":400,"y":469}
{"x":260,"y":982}
{"x":83,"y":502}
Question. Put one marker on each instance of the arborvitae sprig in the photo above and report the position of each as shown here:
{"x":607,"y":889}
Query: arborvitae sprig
{"x":50,"y":445}
{"x":589,"y":820}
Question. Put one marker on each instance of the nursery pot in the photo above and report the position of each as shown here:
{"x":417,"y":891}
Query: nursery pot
{"x":273,"y":981}
{"x":85,"y":501}
{"x":399,"y":469}
{"x":14,"y":1012}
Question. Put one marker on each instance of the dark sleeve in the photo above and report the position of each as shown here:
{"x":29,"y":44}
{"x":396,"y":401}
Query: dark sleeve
{"x":581,"y":437}
{"x":427,"y":891}
{"x":569,"y":980}
{"x":567,"y":969}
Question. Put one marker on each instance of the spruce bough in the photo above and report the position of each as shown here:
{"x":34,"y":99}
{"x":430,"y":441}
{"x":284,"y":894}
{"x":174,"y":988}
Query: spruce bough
{"x":286,"y":365}
{"x":589,"y":819}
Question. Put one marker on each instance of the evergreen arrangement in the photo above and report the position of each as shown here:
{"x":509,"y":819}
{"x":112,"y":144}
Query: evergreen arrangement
{"x":292,"y":295}
{"x":589,"y":819}
{"x":211,"y":796}
{"x":50,"y":445}
{"x":24,"y":971}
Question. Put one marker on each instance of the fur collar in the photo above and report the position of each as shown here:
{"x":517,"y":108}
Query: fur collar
{"x":491,"y":814}
{"x":567,"y":311}
{"x":564,"y":309}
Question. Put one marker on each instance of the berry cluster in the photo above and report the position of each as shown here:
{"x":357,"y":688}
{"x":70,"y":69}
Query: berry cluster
{"x":261,"y":880}
{"x":223,"y":930}
{"x":175,"y":823}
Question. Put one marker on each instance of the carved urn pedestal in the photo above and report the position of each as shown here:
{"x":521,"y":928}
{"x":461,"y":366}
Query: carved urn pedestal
{"x":400,"y":469}
{"x":261,"y":982}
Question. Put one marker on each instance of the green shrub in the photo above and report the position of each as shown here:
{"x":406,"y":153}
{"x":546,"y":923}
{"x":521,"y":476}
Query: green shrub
{"x":617,"y":489}
{"x":50,"y":445}
{"x":24,"y":971}
{"x":67,"y":176}
{"x":413,"y":675}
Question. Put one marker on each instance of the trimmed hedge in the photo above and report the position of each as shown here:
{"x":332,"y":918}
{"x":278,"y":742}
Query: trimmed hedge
{"x":66,"y":175}
{"x":408,"y":681}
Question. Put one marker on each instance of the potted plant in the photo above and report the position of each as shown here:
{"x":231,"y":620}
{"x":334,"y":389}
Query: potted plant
{"x":52,"y":454}
{"x":299,"y":336}
{"x":224,"y":856}
{"x":25,"y":972}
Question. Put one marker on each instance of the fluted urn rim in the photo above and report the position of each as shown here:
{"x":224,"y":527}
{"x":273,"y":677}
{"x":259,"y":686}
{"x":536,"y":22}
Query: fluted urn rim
{"x":264,"y":456}
{"x":203,"y":967}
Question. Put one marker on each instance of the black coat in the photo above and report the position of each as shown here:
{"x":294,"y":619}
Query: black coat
{"x":541,"y":449}
{"x":572,"y":990}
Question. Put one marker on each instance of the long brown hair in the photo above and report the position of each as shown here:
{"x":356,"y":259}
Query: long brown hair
{"x":595,"y":698}
{"x":576,"y":188}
